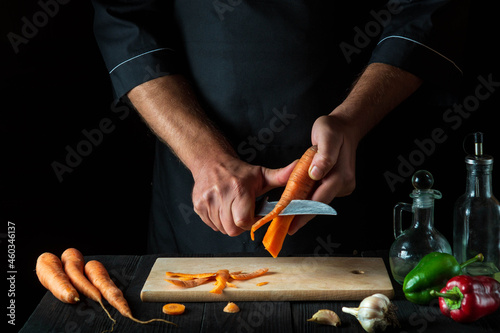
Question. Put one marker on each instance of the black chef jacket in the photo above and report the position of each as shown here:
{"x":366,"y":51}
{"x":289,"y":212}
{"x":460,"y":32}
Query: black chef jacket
{"x":263,"y":71}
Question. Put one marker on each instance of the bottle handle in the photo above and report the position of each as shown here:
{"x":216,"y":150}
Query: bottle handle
{"x":398,"y":217}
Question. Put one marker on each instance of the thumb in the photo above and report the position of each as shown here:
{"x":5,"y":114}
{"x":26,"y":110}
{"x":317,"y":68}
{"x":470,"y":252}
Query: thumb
{"x":323,"y":161}
{"x":277,"y":177}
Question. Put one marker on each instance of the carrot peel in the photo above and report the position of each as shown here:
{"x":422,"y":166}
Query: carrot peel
{"x":246,"y":276}
{"x":221,"y":278}
{"x":188,"y":283}
{"x":276,"y":234}
{"x":189,"y":276}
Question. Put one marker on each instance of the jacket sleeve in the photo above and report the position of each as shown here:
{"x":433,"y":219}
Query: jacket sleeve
{"x":425,"y":38}
{"x":137,"y":41}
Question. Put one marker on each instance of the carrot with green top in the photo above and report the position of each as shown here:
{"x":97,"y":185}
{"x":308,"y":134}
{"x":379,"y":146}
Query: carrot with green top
{"x":298,"y":187}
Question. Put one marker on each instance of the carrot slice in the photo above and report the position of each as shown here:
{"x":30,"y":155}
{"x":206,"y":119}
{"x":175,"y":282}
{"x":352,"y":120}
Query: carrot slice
{"x":174,"y":309}
{"x":262,"y":283}
{"x":246,"y":276}
{"x":188,"y":283}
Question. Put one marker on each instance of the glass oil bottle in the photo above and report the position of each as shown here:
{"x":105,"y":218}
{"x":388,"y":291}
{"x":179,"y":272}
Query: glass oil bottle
{"x":476,"y":217}
{"x":421,"y":237}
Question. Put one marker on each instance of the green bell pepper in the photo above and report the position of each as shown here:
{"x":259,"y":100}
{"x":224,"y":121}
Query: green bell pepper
{"x":432,"y":273}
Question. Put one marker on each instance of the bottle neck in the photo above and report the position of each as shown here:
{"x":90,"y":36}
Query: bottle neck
{"x":423,"y":212}
{"x":479,"y":180}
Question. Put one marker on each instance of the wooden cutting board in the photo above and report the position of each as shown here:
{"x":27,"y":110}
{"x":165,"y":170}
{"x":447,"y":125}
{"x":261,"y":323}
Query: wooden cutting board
{"x":289,"y":279}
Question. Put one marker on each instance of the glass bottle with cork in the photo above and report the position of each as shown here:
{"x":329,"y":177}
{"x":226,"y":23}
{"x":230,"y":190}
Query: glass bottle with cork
{"x":421,"y":237}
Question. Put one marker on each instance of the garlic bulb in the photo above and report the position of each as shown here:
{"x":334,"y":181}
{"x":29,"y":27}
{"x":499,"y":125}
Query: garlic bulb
{"x":326,"y":317}
{"x":374,"y":313}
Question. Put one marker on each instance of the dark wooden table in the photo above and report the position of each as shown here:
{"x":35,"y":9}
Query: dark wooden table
{"x":130,"y":273}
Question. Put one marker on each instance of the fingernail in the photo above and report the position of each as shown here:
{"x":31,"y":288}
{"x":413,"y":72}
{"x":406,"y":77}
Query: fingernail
{"x":315,"y":173}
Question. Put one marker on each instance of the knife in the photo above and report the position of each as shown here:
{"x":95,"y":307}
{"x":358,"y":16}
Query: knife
{"x":296,"y":207}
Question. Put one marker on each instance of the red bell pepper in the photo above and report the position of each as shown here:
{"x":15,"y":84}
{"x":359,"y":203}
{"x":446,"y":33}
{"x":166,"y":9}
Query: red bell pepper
{"x":467,"y":298}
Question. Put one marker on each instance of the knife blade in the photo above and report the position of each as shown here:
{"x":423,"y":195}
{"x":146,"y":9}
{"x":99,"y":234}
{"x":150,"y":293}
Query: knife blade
{"x":297,"y":207}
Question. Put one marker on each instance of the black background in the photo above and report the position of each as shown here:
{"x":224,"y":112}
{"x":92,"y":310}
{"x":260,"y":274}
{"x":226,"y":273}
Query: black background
{"x":56,"y":87}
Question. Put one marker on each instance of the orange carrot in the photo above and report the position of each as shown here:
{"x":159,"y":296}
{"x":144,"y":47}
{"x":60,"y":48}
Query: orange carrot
{"x":73,"y":264}
{"x":246,"y":276}
{"x":188,"y":283}
{"x":174,"y":309}
{"x":221,"y":277}
{"x":99,"y":277}
{"x":52,"y":276}
{"x":298,"y":187}
{"x":260,"y":284}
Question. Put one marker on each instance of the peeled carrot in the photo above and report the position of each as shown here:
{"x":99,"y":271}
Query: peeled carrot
{"x":174,"y":309}
{"x":99,"y":277}
{"x":52,"y":276}
{"x":298,"y":187}
{"x":73,"y":264}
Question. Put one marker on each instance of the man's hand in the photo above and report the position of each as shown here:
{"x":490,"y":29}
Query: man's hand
{"x":380,"y":89}
{"x":333,"y":166}
{"x":225,"y":187}
{"x":224,"y":193}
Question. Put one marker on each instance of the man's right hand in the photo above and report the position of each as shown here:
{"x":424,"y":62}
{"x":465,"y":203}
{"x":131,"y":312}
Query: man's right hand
{"x":225,"y":187}
{"x":224,"y":192}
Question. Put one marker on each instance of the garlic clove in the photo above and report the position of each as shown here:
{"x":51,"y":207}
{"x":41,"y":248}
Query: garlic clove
{"x":231,"y":308}
{"x":326,"y":317}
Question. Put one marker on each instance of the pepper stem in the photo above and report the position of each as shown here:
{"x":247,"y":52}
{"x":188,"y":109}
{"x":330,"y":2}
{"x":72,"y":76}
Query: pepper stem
{"x":478,"y":257}
{"x":450,"y":295}
{"x":453,"y":297}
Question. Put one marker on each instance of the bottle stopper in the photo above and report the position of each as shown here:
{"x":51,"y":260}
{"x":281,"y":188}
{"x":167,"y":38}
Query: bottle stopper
{"x":422,"y":180}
